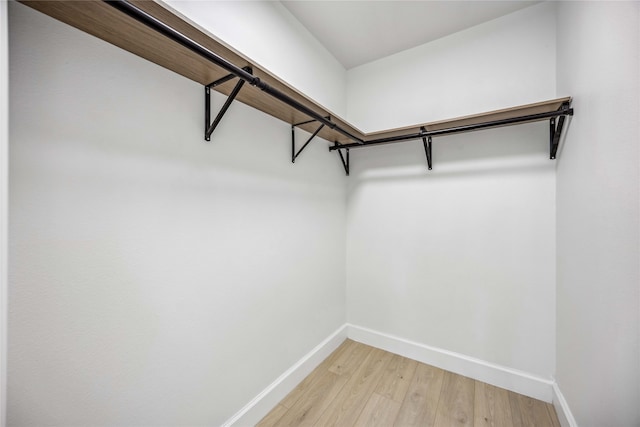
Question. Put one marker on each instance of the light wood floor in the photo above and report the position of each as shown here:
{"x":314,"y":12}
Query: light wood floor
{"x":358,"y":385}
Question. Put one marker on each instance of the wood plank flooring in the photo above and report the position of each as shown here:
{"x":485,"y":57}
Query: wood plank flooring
{"x":358,"y":385}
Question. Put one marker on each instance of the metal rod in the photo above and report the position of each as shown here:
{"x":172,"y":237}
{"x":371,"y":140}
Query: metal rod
{"x":222,"y":80}
{"x":458,"y":129}
{"x":148,"y":20}
{"x":309,"y":121}
{"x":298,"y":106}
{"x":224,"y":109}
{"x":552,"y":133}
{"x":345,"y":164}
{"x":293,"y":143}
{"x":556,"y":138}
{"x":228,"y":77}
{"x":427,"y":147}
{"x":207,"y":112}
{"x":208,"y":129}
{"x":308,"y":141}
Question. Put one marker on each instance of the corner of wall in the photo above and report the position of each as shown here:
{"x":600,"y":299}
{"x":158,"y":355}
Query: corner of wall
{"x":268,"y":398}
{"x":598,"y":249}
{"x":501,"y":376}
{"x":562,"y":408}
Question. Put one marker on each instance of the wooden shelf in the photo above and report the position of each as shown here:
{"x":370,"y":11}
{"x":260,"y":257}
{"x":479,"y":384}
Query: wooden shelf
{"x":107,"y":23}
{"x":490,"y":116}
{"x":103,"y":21}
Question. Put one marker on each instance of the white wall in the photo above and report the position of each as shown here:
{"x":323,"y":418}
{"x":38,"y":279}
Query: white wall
{"x":505,"y":62}
{"x":461,"y":258}
{"x":267,"y":33}
{"x":113,"y":322}
{"x":155,"y":279}
{"x":598,"y":218}
{"x":4,"y":183}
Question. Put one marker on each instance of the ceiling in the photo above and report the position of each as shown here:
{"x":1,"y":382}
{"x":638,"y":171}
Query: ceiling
{"x":357,"y":32}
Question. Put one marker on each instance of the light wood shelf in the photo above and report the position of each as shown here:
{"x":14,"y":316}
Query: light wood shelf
{"x":105,"y":22}
{"x":474,"y":119}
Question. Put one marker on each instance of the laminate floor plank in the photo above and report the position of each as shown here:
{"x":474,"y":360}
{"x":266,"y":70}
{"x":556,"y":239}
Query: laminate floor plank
{"x":421,"y":401}
{"x":555,"y":422}
{"x":273,"y":416}
{"x":315,"y":375}
{"x":396,"y":378}
{"x":380,"y":411}
{"x":359,"y":385}
{"x":455,"y":407}
{"x":491,"y":406}
{"x":351,"y":359}
{"x":314,"y":401}
{"x":354,"y":395}
{"x":529,"y":412}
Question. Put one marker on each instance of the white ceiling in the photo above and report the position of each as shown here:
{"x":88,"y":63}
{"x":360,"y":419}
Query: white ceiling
{"x":357,"y":32}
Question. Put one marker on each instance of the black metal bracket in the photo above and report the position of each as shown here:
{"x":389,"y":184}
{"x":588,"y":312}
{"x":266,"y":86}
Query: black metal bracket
{"x":295,"y":154}
{"x":556,"y":117}
{"x":555,"y":130}
{"x":157,"y":25}
{"x":426,"y":141}
{"x":208,"y":126}
{"x":344,"y":159}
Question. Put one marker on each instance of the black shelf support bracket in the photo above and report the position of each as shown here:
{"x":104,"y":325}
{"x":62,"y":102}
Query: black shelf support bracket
{"x":153,"y":23}
{"x":295,"y":154}
{"x":344,"y":159}
{"x":208,"y":126}
{"x":426,"y":141}
{"x":555,"y":131}
{"x":556,"y":119}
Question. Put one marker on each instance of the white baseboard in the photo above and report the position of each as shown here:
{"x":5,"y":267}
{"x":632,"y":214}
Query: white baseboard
{"x":562,"y":408}
{"x":511,"y":379}
{"x":268,"y":398}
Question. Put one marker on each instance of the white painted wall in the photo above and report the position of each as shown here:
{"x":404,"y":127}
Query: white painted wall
{"x":598,"y":217}
{"x":460,"y":258}
{"x":113,"y":322}
{"x":505,"y":62}
{"x":155,"y":279}
{"x":4,"y":183}
{"x":268,"y":34}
